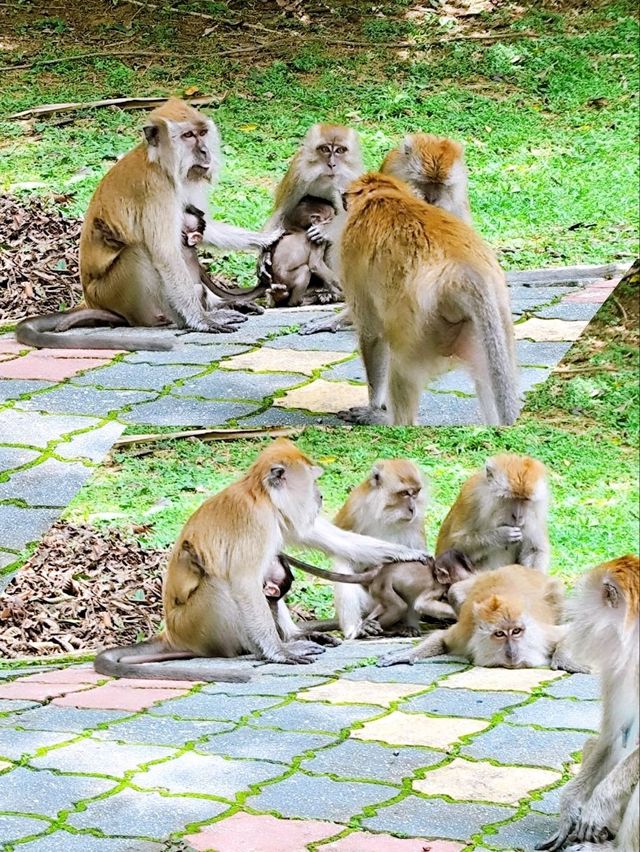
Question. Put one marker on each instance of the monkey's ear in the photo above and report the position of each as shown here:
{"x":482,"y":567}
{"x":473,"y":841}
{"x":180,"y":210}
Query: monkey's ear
{"x":276,"y":475}
{"x":407,"y":145}
{"x":490,"y":468}
{"x":152,"y":134}
{"x":610,"y":594}
{"x":442,"y":572}
{"x":376,"y":476}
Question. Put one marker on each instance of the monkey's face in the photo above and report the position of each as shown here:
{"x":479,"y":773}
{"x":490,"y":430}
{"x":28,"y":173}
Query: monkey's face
{"x":332,"y":153}
{"x":295,"y":493}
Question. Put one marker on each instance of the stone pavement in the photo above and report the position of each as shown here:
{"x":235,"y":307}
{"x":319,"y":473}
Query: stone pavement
{"x":337,"y":756}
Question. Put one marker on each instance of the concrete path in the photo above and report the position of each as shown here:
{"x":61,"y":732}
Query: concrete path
{"x":338,"y":756}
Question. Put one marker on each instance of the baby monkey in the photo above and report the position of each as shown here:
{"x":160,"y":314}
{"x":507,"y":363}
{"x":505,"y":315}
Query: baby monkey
{"x":296,"y":260}
{"x":403,"y":592}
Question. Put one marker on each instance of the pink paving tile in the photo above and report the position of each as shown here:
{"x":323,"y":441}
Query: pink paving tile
{"x":36,"y":691}
{"x":81,"y":675}
{"x":11,"y":346}
{"x":115,"y":697}
{"x":361,"y":841}
{"x":32,"y":366}
{"x":247,"y":833}
{"x":593,"y":298}
{"x":157,"y":684}
{"x":79,"y":353}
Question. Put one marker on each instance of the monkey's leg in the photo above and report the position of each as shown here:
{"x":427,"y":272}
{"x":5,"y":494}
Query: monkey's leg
{"x":432,"y":646}
{"x":458,"y":592}
{"x":602,"y":814}
{"x":290,"y":630}
{"x":440,"y":610}
{"x":318,"y":267}
{"x":331,"y":324}
{"x":390,"y":611}
{"x":405,"y":386}
{"x":562,"y":658}
{"x":298,"y":283}
{"x":375,"y":354}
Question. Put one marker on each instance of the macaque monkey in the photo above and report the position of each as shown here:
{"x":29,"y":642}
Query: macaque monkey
{"x":435,"y":171}
{"x":500,"y":518}
{"x":390,"y":504}
{"x":327,"y":161}
{"x":132,"y":265}
{"x":424,"y":290}
{"x":434,"y":168}
{"x":213,"y":598}
{"x":510,"y":618}
{"x":599,"y":808}
{"x":295,"y":258}
{"x":403,"y":592}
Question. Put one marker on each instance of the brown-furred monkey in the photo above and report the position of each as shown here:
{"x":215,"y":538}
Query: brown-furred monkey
{"x":213,"y":598}
{"x":600,"y":808}
{"x":133,"y":268}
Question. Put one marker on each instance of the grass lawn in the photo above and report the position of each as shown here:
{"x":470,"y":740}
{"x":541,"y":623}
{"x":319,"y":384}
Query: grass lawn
{"x":546,"y":103}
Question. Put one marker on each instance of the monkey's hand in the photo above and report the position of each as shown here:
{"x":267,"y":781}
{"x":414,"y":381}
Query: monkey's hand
{"x":596,"y":816}
{"x":399,"y":658}
{"x":245,"y":307}
{"x":508,"y":535}
{"x":568,"y":823}
{"x":323,"y":638}
{"x":265,"y":241}
{"x":318,"y":233}
{"x":302,"y":652}
{"x":331,"y":324}
{"x":369,"y":627}
{"x":364,"y":415}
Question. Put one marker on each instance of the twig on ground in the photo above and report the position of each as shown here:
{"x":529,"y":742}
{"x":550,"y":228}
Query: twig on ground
{"x":621,"y":308}
{"x":122,"y":103}
{"x":208,"y":435}
{"x":595,"y":368}
{"x":94,"y":55}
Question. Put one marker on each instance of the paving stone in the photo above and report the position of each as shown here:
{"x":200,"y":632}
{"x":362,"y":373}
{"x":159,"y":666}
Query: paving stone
{"x":356,"y":759}
{"x":61,"y":841}
{"x":224,"y":708}
{"x":236,"y":384}
{"x":207,"y":774}
{"x":422,"y":674}
{"x":52,"y":718}
{"x":9,"y":345}
{"x":36,"y":430}
{"x":268,"y":359}
{"x":92,"y":445}
{"x":100,"y":758}
{"x":549,"y":803}
{"x":549,"y":330}
{"x":95,"y":354}
{"x":523,"y":835}
{"x":462,"y":702}
{"x":114,"y":696}
{"x":174,"y":411}
{"x":456,"y":381}
{"x":133,"y":814}
{"x":136,"y":376}
{"x":559,"y":713}
{"x":360,"y":841}
{"x":261,"y":833}
{"x":32,"y":366}
{"x":264,"y":685}
{"x":287,"y":417}
{"x":16,"y":827}
{"x":529,"y":377}
{"x":534,"y":354}
{"x":341,"y":341}
{"x":575,"y":686}
{"x":467,"y":781}
{"x":324,"y":665}
{"x":305,"y":716}
{"x":52,"y":483}
{"x":526,"y":746}
{"x":13,"y":706}
{"x":320,"y":798}
{"x":351,"y":371}
{"x":410,"y":729}
{"x":283,"y":746}
{"x":27,"y":791}
{"x":324,"y":396}
{"x":500,"y":679}
{"x":22,"y":689}
{"x":205,"y":355}
{"x":14,"y":388}
{"x":436,"y":818}
{"x":159,"y":731}
{"x":11,"y":457}
{"x":573,"y":310}
{"x":82,"y":674}
{"x":359,"y":692}
{"x":85,"y":400}
{"x":447,"y":409}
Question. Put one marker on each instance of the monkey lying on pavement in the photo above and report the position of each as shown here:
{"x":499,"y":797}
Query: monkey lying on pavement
{"x":402,"y":591}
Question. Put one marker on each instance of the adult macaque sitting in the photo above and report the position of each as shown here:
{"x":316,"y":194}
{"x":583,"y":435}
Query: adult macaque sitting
{"x":133,"y":266}
{"x":213,"y":595}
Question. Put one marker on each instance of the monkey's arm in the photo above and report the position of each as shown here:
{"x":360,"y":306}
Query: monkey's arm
{"x":601,"y":815}
{"x":477,"y":544}
{"x":434,"y":644}
{"x":358,"y":548}
{"x":334,"y":323}
{"x":223,"y":236}
{"x":440,"y":610}
{"x":290,"y":630}
{"x":535,"y":551}
{"x":562,"y":658}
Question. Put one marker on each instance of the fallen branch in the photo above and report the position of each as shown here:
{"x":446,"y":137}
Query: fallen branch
{"x":122,"y":103}
{"x":208,"y":435}
{"x":590,"y":369}
{"x":94,"y":55}
{"x":558,"y":275}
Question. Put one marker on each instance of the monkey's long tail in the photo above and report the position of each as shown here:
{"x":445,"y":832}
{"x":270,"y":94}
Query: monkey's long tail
{"x":51,"y":331}
{"x":145,"y":661}
{"x":362,"y":579}
{"x":496,"y":338}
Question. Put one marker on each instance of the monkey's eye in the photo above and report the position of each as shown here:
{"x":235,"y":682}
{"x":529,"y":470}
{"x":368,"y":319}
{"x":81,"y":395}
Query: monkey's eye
{"x":203,"y":132}
{"x":325,"y":149}
{"x":516,"y":631}
{"x":341,"y":149}
{"x":499,"y":634}
{"x":188,"y":134}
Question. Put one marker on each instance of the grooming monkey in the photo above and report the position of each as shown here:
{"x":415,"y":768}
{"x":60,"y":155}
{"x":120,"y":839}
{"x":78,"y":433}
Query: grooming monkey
{"x":213,"y":598}
{"x":434,"y":169}
{"x":599,"y":808}
{"x":424,"y":289}
{"x":403,"y":592}
{"x":132,"y":264}
{"x":500,"y":517}
{"x":510,"y":618}
{"x":295,"y":258}
{"x":324,"y":165}
{"x":389,"y":504}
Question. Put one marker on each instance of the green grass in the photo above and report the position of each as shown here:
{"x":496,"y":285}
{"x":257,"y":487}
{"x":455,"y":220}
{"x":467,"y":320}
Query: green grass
{"x":549,"y":122}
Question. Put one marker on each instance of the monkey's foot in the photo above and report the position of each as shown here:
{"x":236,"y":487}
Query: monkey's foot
{"x":562,"y":662}
{"x":332,"y":324}
{"x":405,"y":630}
{"x":323,"y":638}
{"x":221,"y":321}
{"x":326,"y":297}
{"x":590,"y":847}
{"x":364,"y":415}
{"x":369,"y":627}
{"x":401,"y":658}
{"x":245,"y":307}
{"x":558,"y":840}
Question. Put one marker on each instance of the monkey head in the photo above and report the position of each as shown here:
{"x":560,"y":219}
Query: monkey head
{"x":516,"y":481}
{"x":278,"y":579}
{"x":433,"y":166}
{"x":398,"y":488}
{"x":183,"y":142}
{"x":289,"y":477}
{"x":499,"y":637}
{"x":451,"y":567}
{"x":332,"y":152}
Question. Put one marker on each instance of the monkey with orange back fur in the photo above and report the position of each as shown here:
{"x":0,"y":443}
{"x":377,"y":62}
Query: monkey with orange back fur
{"x":213,"y":598}
{"x":600,"y":807}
